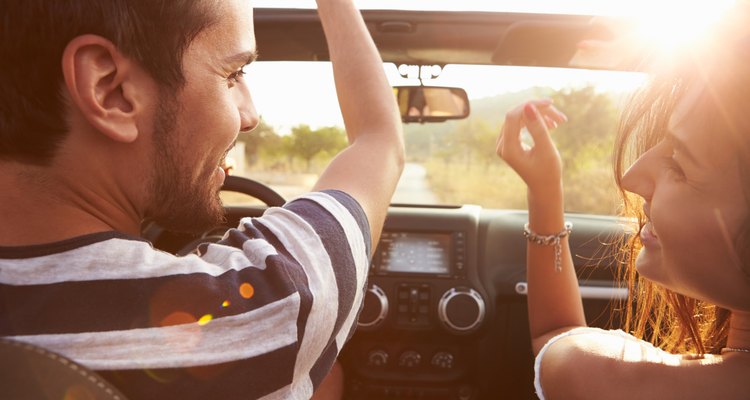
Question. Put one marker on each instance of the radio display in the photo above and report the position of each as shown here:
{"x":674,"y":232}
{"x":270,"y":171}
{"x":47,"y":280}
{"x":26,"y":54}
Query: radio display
{"x":417,"y":253}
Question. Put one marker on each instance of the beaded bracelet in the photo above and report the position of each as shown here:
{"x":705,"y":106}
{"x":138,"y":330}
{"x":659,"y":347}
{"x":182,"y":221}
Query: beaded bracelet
{"x":549,"y":240}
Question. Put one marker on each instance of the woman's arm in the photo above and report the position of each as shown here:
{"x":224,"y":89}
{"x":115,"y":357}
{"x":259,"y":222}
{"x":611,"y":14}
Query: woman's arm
{"x":554,"y":301}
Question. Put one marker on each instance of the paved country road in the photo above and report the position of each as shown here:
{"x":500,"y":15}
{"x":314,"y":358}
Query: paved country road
{"x":413,"y":187}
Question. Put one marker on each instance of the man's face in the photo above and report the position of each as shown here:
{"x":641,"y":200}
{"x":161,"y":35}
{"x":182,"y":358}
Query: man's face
{"x":196,"y":127}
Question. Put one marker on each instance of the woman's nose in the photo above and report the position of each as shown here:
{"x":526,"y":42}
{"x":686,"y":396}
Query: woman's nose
{"x":639,"y":178}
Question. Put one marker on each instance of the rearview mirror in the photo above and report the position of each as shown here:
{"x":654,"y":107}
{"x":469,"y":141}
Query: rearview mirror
{"x":431,"y":104}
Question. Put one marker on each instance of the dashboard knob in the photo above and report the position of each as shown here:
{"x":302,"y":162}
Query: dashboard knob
{"x":442,"y":360}
{"x":409,"y":359}
{"x":461,"y":310}
{"x":375,"y":309}
{"x":377,"y":358}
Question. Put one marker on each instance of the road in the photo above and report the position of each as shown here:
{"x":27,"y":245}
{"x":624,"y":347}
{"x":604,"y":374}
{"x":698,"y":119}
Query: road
{"x":413,"y":187}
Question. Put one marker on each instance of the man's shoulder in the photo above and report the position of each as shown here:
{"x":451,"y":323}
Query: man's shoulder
{"x":329,"y":201}
{"x":323,"y":208}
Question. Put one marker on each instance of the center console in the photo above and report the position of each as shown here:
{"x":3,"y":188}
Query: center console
{"x":424,"y":308}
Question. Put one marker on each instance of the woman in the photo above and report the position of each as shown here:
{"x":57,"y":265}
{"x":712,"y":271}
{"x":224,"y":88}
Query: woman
{"x":688,"y":268}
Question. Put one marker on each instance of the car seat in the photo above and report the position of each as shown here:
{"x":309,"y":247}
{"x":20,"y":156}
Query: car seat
{"x":31,"y":372}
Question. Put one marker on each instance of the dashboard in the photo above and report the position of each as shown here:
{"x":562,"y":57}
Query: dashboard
{"x":444,"y":314}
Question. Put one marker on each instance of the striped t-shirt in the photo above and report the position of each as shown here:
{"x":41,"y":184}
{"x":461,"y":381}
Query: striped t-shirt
{"x":261,"y":314}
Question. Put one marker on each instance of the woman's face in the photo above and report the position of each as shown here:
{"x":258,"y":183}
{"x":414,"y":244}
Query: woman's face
{"x":695,"y":206}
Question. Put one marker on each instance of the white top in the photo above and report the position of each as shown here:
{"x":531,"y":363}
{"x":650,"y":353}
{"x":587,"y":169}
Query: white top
{"x":626,"y":338}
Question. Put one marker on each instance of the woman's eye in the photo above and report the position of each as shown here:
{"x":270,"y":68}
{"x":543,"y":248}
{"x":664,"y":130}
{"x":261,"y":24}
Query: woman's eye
{"x":674,"y":167}
{"x":670,"y":159}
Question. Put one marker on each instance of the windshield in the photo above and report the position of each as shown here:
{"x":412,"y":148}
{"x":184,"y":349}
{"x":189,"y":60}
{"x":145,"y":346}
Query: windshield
{"x":584,"y":7}
{"x":450,"y":163}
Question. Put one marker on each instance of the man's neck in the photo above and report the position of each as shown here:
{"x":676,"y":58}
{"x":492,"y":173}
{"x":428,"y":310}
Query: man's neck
{"x":37,"y":207}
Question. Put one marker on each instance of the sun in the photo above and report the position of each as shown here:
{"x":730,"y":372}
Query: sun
{"x":675,"y":24}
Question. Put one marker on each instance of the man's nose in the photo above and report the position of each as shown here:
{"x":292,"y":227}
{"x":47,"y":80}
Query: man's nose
{"x":249,"y":118}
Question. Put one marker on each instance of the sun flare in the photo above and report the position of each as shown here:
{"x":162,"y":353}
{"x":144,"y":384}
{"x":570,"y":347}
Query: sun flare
{"x":675,"y":24}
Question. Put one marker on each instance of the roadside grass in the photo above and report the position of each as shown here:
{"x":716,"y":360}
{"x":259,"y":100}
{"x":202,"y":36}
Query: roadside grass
{"x":496,"y":185}
{"x":492,"y":185}
{"x":589,"y":186}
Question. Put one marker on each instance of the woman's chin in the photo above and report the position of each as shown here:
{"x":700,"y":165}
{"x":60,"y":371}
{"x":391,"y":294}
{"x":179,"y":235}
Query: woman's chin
{"x":648,"y":265}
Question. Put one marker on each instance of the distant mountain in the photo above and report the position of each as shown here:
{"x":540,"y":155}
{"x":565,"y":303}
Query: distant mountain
{"x":491,"y":110}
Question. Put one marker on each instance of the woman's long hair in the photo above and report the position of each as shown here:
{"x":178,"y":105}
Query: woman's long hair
{"x":667,"y":319}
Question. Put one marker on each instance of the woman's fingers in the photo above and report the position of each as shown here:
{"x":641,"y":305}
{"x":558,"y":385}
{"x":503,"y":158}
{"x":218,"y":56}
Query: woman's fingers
{"x":509,"y":143}
{"x":537,"y":116}
{"x":544,"y":102}
{"x":548,"y":110}
{"x":537,"y":124}
{"x":551,"y":124}
{"x":538,"y":164}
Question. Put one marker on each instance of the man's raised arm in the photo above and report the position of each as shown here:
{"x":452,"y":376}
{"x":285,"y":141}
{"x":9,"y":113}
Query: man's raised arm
{"x":370,"y":167}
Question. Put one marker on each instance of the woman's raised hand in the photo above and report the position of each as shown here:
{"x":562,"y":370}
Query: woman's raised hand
{"x":538,"y":165}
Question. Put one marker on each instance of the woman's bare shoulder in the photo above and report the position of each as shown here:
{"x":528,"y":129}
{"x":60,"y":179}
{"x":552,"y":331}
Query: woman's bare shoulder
{"x":613,"y":365}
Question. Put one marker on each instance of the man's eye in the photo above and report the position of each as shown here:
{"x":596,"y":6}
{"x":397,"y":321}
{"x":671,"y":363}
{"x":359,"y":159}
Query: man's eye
{"x":237,"y":75}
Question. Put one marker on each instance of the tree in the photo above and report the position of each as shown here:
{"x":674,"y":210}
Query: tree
{"x":255,"y":140}
{"x":308,"y":143}
{"x":590,"y":130}
{"x":585,"y":143}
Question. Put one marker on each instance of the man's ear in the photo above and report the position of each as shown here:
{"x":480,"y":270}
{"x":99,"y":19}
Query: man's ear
{"x":101,"y":84}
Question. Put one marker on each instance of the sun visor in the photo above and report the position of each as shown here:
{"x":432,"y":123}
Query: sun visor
{"x":546,"y":43}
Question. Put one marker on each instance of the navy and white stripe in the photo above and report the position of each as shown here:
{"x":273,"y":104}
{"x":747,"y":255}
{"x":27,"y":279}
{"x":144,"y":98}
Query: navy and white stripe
{"x":169,"y":327}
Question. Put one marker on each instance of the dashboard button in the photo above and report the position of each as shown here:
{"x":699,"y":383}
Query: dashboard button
{"x":409,"y":359}
{"x":442,"y":360}
{"x":377,"y":358}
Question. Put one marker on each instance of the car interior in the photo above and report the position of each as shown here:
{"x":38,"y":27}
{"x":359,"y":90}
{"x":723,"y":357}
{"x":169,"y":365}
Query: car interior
{"x":444,"y":315}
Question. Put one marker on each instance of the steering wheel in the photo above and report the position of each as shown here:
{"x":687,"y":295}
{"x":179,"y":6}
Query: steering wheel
{"x":240,"y":185}
{"x":152,"y":231}
{"x":253,"y":188}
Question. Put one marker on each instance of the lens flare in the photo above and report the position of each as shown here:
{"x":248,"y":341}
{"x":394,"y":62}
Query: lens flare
{"x":205,"y":319}
{"x":177,"y":318}
{"x":673,"y":24}
{"x":247,"y":290}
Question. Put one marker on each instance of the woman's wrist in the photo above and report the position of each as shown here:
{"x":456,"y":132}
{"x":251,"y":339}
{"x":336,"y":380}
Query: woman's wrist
{"x":546,"y":209}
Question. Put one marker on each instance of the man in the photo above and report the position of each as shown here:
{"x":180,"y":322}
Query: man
{"x":112,"y":112}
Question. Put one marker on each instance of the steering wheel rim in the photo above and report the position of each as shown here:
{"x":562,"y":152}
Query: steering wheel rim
{"x":240,"y":185}
{"x":253,"y":188}
{"x":152,"y":231}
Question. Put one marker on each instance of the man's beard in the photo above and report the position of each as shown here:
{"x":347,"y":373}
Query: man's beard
{"x":175,"y":201}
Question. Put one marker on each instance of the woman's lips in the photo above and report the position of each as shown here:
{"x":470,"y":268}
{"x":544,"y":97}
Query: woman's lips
{"x":648,"y":235}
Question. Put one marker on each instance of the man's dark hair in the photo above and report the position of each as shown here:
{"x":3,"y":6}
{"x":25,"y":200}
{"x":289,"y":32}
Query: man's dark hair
{"x":34,"y":34}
